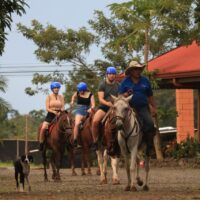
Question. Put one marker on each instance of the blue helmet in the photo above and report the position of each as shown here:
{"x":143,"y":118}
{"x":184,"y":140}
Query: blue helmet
{"x":55,"y":85}
{"x":81,"y":87}
{"x":111,"y":70}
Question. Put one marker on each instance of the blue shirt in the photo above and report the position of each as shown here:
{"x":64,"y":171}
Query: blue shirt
{"x":141,"y":91}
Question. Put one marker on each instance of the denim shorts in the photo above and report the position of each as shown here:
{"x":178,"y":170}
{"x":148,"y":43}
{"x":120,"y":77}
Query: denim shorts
{"x":81,"y":110}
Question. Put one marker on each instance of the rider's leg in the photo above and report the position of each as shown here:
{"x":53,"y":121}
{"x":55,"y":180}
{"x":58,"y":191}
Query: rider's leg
{"x":148,"y":128}
{"x":78,"y":119}
{"x":42,"y":135}
{"x":95,"y":125}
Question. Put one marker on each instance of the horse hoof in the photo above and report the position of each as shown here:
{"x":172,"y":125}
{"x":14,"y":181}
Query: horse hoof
{"x":133,"y":189}
{"x":46,"y":179}
{"x":139,"y":182}
{"x":115,"y":181}
{"x":74,"y":173}
{"x":98,"y":173}
{"x":83,"y":174}
{"x":89,"y":173}
{"x":146,"y":188}
{"x":127,"y":188}
{"x":103,"y":182}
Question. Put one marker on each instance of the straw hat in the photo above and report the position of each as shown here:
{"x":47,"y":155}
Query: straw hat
{"x":133,"y":64}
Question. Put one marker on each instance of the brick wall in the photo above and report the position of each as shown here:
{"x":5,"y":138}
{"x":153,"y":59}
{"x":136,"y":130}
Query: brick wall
{"x":185,"y":111}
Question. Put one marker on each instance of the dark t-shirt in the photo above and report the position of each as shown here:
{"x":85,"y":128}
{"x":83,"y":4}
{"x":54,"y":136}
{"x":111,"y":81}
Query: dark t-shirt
{"x":109,"y":89}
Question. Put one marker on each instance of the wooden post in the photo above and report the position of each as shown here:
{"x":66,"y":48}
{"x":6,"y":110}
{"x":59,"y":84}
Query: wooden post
{"x":157,"y":143}
{"x":26,"y":136}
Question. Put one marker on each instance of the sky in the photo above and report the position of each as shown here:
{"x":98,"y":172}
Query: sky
{"x":19,"y":52}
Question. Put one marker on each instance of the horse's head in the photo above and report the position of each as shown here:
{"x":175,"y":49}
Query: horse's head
{"x":121,"y":109}
{"x":65,"y":122}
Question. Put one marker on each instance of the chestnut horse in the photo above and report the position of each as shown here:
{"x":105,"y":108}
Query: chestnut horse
{"x":60,"y":130}
{"x":85,"y":139}
{"x":107,"y":131}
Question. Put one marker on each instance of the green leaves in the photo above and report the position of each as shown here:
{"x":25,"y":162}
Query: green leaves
{"x":7,"y":8}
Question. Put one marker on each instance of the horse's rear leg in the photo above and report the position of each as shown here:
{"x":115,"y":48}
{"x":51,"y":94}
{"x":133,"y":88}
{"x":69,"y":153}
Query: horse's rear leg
{"x":83,"y":163}
{"x":103,"y":178}
{"x":146,"y":166}
{"x":86,"y":159}
{"x":115,"y":167}
{"x":71,"y":158}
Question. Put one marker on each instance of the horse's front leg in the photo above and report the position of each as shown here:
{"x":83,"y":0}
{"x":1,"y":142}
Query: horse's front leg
{"x":44,"y":158}
{"x":103,"y":179}
{"x":133,"y":166}
{"x":124,"y":152}
{"x":58,"y":160}
{"x":115,"y":167}
{"x":53,"y":166}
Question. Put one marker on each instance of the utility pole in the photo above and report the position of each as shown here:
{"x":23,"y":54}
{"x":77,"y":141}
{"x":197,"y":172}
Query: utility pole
{"x":26,"y":136}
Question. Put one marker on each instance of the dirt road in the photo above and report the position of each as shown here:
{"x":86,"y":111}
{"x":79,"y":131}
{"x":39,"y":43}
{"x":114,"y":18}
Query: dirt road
{"x":165,"y":183}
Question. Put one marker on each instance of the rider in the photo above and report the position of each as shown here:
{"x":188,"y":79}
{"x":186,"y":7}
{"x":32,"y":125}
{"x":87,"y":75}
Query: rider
{"x":106,"y":88}
{"x":54,"y":104}
{"x":85,"y":103}
{"x":138,"y":85}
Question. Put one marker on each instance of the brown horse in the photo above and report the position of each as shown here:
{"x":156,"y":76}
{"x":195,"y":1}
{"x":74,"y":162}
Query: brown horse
{"x":86,"y":141}
{"x":106,"y":149}
{"x":59,"y":132}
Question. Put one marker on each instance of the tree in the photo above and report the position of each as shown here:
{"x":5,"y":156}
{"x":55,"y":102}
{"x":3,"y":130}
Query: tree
{"x":4,"y":105}
{"x":67,"y":46}
{"x":7,"y":8}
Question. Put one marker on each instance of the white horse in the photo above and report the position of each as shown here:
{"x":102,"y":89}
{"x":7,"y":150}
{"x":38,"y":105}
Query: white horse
{"x":130,"y":142}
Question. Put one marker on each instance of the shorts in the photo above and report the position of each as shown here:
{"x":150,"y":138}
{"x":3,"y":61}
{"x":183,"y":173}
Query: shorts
{"x":104,"y":108}
{"x":81,"y":110}
{"x":49,"y":117}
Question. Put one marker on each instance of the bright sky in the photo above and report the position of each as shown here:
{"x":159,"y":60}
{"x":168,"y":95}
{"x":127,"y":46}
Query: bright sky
{"x":20,"y":52}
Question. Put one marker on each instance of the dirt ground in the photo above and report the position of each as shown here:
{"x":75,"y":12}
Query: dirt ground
{"x":167,"y":183}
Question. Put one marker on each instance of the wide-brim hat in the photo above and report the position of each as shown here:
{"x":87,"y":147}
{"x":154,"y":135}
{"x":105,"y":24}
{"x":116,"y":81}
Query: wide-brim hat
{"x":133,"y":64}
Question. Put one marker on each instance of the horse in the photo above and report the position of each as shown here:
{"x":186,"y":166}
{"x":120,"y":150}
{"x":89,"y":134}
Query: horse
{"x":129,"y":137}
{"x":60,"y":130}
{"x":103,"y":153}
{"x":86,"y":141}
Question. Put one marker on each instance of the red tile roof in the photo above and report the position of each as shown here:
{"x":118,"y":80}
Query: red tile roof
{"x":181,"y":62}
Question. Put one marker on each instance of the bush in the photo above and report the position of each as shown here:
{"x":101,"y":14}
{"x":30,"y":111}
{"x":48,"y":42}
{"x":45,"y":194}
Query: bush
{"x":190,"y":148}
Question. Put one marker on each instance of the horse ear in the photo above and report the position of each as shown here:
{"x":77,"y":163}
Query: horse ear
{"x":114,"y":98}
{"x":129,"y":98}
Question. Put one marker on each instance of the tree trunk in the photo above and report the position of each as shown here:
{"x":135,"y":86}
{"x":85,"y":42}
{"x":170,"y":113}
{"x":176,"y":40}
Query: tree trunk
{"x":157,"y":143}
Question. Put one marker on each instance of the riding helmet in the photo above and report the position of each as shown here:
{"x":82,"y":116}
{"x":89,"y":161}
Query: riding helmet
{"x":81,"y":87}
{"x":55,"y":85}
{"x":111,"y":70}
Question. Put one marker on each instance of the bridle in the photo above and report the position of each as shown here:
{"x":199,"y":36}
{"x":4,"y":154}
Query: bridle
{"x":63,"y":129}
{"x":125,"y":121}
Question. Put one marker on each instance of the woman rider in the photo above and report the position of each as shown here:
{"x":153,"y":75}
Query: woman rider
{"x":85,"y":103}
{"x":106,"y":88}
{"x":54,"y":104}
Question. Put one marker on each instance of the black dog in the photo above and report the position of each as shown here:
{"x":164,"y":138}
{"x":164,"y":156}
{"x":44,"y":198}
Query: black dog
{"x":22,"y":168}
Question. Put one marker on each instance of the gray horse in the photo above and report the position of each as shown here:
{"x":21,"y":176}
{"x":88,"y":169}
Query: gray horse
{"x":130,"y":142}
